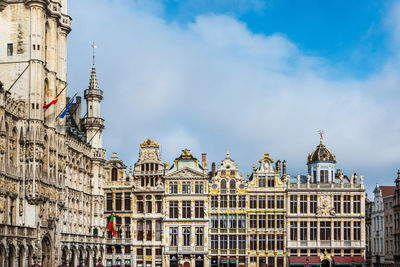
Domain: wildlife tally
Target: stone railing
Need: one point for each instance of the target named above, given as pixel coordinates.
(16, 231)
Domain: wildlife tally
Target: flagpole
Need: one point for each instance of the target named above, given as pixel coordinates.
(66, 84)
(72, 99)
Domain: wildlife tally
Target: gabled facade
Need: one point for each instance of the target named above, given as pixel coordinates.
(228, 215)
(378, 230)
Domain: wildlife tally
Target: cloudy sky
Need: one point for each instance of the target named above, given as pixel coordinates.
(246, 76)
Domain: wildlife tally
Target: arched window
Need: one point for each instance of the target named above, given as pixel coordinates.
(232, 186)
(223, 186)
(114, 174)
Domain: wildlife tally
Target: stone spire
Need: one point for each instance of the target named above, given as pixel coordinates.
(93, 85)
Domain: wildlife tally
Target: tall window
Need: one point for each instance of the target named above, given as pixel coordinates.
(253, 242)
(253, 221)
(158, 204)
(271, 202)
(262, 242)
(158, 230)
(241, 221)
(199, 236)
(173, 236)
(186, 209)
(279, 221)
(223, 186)
(139, 204)
(346, 230)
(199, 209)
(149, 230)
(313, 230)
(109, 201)
(293, 230)
(232, 201)
(149, 204)
(10, 50)
(346, 204)
(232, 187)
(186, 187)
(303, 204)
(214, 220)
(303, 230)
(337, 204)
(140, 230)
(173, 209)
(232, 241)
(242, 241)
(127, 201)
(313, 204)
(118, 201)
(337, 231)
(127, 227)
(223, 221)
(232, 221)
(271, 221)
(261, 181)
(199, 187)
(357, 204)
(173, 187)
(271, 181)
(325, 230)
(253, 202)
(323, 176)
(223, 242)
(114, 174)
(357, 231)
(271, 242)
(261, 202)
(214, 242)
(223, 201)
(279, 202)
(242, 201)
(214, 201)
(186, 236)
(279, 242)
(261, 221)
(293, 204)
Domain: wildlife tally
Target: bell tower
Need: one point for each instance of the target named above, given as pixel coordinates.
(93, 123)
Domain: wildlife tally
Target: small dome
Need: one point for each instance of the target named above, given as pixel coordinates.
(321, 154)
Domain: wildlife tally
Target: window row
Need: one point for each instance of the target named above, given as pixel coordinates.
(270, 202)
(303, 204)
(225, 221)
(186, 187)
(228, 242)
(186, 209)
(266, 221)
(225, 201)
(266, 242)
(186, 236)
(124, 200)
(325, 230)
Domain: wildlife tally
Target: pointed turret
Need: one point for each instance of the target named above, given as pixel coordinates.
(93, 123)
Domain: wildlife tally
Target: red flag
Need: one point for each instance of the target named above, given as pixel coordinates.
(51, 103)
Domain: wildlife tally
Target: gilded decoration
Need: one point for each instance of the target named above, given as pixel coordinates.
(149, 142)
(186, 154)
(325, 207)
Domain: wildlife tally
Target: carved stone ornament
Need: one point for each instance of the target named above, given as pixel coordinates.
(2, 145)
(325, 207)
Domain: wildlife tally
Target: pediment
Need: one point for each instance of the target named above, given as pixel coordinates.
(185, 173)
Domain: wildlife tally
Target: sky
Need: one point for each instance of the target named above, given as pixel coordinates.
(246, 76)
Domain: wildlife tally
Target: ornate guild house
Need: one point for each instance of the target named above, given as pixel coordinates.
(51, 168)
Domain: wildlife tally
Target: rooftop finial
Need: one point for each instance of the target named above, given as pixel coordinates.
(94, 47)
(321, 136)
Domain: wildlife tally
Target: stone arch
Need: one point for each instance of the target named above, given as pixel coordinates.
(88, 256)
(81, 256)
(47, 251)
(223, 184)
(64, 255)
(30, 255)
(21, 256)
(10, 256)
(2, 255)
(73, 259)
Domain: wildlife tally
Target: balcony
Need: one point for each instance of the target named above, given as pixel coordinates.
(17, 231)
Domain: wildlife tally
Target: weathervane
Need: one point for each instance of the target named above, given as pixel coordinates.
(321, 135)
(94, 46)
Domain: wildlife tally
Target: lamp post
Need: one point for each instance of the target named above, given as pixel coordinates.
(307, 260)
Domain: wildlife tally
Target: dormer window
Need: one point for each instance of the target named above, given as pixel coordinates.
(114, 174)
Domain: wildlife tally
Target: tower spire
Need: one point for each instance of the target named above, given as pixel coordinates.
(93, 77)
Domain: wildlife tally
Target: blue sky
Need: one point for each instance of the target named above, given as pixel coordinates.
(246, 76)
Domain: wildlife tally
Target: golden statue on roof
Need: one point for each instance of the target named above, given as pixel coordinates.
(149, 142)
(186, 154)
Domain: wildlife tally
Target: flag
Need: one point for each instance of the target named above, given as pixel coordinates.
(62, 115)
(51, 103)
(111, 225)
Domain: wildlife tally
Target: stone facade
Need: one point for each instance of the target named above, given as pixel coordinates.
(396, 218)
(377, 225)
(51, 169)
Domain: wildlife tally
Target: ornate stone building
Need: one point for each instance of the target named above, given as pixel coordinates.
(51, 169)
(325, 214)
(267, 214)
(396, 219)
(228, 215)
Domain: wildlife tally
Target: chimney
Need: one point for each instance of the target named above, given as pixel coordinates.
(213, 169)
(204, 160)
(284, 168)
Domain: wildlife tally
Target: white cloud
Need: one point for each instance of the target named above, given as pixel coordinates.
(213, 85)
